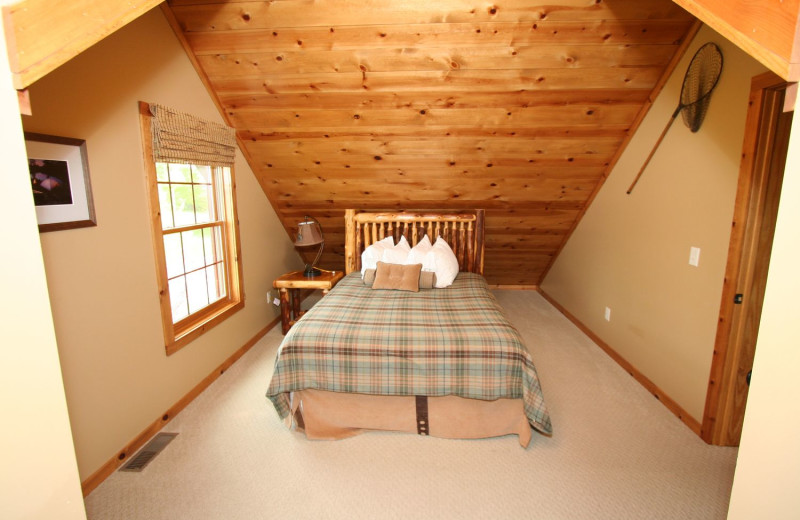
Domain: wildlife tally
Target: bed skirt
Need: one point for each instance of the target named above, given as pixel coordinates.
(325, 415)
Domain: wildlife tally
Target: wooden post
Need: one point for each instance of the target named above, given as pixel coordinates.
(480, 216)
(350, 241)
(285, 316)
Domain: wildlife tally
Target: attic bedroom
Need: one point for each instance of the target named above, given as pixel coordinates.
(541, 115)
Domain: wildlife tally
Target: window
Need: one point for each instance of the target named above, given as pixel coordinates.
(189, 165)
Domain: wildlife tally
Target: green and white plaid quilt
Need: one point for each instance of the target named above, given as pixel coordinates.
(452, 341)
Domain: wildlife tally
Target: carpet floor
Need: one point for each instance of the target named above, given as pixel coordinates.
(616, 453)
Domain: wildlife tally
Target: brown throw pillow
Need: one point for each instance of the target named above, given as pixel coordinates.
(427, 279)
(397, 276)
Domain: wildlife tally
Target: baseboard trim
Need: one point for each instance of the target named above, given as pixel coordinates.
(109, 467)
(651, 387)
(514, 287)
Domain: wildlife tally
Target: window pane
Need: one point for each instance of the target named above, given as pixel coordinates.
(215, 277)
(162, 172)
(201, 174)
(165, 201)
(174, 255)
(212, 240)
(180, 173)
(198, 290)
(193, 255)
(183, 204)
(204, 203)
(177, 295)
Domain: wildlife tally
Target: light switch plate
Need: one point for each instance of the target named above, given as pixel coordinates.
(694, 256)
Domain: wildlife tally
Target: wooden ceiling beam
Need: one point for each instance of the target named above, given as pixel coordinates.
(42, 34)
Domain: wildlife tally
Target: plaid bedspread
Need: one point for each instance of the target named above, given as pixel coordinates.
(452, 341)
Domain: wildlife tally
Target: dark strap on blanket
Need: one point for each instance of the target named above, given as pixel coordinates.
(423, 426)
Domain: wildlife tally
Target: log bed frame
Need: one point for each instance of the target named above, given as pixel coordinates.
(463, 231)
(335, 415)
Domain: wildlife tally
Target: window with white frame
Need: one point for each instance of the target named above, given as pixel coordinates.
(189, 165)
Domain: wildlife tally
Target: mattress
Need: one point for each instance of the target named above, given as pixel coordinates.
(454, 341)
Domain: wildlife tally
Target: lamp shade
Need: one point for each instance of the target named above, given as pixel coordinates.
(309, 233)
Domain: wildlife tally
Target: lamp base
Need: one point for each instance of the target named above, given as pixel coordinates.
(311, 271)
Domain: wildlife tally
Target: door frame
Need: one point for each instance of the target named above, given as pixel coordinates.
(720, 417)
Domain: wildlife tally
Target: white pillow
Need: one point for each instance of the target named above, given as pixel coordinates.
(374, 253)
(397, 254)
(419, 254)
(444, 261)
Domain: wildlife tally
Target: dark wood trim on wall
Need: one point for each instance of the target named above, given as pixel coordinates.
(737, 325)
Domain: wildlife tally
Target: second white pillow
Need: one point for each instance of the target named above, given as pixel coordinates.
(397, 254)
(444, 261)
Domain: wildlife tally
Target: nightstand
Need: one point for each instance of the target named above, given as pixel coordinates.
(290, 285)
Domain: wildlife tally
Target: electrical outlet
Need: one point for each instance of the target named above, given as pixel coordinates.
(276, 302)
(608, 314)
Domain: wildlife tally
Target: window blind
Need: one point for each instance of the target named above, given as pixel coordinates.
(183, 138)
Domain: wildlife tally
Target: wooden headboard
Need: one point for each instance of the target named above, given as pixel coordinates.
(463, 232)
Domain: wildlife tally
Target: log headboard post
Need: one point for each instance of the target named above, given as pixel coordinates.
(464, 233)
(479, 237)
(351, 257)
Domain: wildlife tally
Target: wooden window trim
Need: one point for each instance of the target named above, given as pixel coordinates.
(179, 334)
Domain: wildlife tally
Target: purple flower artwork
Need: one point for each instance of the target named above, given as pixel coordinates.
(50, 182)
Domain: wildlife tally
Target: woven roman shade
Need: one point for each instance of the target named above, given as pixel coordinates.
(183, 138)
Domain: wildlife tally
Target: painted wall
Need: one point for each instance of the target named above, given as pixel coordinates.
(39, 474)
(768, 468)
(631, 252)
(102, 280)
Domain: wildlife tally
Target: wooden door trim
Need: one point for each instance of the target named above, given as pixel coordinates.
(752, 179)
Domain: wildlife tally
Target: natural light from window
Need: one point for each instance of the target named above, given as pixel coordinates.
(193, 236)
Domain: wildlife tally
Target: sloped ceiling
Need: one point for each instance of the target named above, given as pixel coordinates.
(518, 107)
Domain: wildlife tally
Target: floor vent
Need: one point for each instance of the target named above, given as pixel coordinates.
(149, 452)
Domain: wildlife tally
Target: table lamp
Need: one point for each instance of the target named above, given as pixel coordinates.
(309, 233)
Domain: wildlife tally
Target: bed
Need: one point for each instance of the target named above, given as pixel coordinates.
(443, 362)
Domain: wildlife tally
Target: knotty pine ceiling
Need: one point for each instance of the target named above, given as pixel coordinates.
(518, 107)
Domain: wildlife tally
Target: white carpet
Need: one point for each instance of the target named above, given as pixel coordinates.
(616, 453)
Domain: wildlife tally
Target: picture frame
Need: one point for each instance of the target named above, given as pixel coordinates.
(62, 191)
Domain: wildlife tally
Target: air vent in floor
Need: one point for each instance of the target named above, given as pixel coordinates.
(149, 452)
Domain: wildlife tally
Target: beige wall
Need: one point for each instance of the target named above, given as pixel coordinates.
(102, 280)
(767, 476)
(630, 252)
(39, 474)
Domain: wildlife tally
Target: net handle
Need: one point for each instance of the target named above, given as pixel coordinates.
(653, 151)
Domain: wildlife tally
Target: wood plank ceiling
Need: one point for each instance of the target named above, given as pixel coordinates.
(518, 106)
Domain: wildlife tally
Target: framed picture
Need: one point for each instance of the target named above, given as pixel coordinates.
(59, 172)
